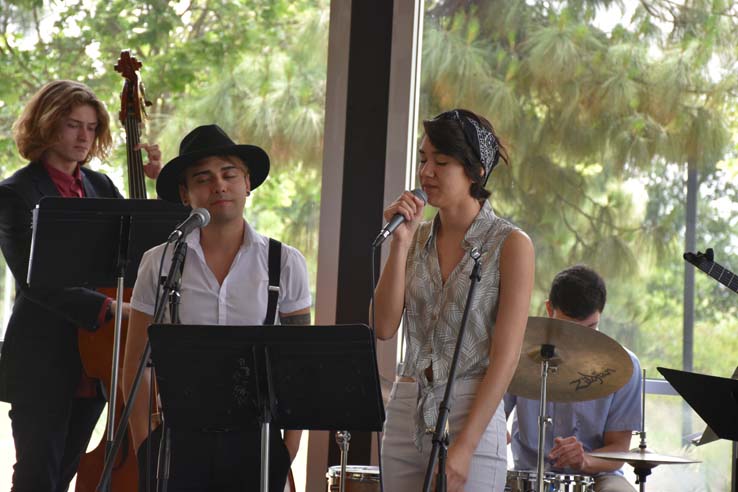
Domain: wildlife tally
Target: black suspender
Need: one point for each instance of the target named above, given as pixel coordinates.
(275, 270)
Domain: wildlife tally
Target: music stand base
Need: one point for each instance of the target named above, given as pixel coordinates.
(162, 473)
(265, 456)
(734, 481)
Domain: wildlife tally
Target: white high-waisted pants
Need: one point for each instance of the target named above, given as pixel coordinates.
(404, 466)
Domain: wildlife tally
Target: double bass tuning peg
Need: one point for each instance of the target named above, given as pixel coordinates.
(141, 90)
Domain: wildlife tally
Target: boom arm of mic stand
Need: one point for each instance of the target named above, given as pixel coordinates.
(170, 284)
(440, 436)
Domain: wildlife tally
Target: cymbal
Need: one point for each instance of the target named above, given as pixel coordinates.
(586, 363)
(639, 458)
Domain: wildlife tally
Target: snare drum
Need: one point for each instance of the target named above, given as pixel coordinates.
(358, 478)
(525, 481)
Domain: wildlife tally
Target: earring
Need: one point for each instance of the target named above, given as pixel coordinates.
(248, 193)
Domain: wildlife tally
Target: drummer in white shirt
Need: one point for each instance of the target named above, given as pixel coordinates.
(578, 294)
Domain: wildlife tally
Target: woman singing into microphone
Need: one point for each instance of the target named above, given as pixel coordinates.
(425, 283)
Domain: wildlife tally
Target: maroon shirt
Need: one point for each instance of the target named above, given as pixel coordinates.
(69, 186)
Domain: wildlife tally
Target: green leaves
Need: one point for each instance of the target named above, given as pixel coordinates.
(555, 85)
(255, 67)
(600, 126)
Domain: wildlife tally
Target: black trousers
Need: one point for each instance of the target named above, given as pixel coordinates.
(216, 461)
(50, 441)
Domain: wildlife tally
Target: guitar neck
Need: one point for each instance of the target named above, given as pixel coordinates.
(719, 273)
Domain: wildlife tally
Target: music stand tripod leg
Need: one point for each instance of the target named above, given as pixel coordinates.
(162, 473)
(265, 454)
(734, 484)
(266, 399)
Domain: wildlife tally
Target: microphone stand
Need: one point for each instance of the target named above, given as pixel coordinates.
(171, 289)
(440, 436)
(345, 436)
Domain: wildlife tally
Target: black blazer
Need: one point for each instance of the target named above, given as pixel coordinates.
(40, 360)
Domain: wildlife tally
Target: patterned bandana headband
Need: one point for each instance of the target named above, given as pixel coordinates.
(479, 138)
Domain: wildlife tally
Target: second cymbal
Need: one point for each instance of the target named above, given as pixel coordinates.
(586, 363)
(644, 459)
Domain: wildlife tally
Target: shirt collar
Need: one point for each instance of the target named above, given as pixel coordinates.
(250, 236)
(475, 235)
(59, 176)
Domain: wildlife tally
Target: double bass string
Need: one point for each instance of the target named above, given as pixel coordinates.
(135, 161)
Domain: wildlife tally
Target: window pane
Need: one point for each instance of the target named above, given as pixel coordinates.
(605, 108)
(664, 436)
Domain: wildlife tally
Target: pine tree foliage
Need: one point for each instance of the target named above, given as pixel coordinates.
(600, 122)
(584, 110)
(257, 68)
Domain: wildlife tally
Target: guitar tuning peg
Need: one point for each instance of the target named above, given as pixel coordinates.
(710, 254)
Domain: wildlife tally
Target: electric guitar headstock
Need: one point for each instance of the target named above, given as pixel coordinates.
(706, 262)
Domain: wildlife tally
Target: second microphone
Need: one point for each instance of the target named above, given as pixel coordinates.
(396, 220)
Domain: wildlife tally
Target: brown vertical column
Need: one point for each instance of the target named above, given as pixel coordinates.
(353, 187)
(363, 175)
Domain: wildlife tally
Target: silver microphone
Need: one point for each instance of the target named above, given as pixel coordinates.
(396, 220)
(199, 217)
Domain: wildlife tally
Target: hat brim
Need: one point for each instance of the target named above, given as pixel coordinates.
(255, 158)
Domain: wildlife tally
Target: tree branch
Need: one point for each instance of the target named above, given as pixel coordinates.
(197, 26)
(37, 25)
(574, 231)
(26, 69)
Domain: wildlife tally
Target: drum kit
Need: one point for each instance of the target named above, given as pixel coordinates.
(560, 361)
(359, 478)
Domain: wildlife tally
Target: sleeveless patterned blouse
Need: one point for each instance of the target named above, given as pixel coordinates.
(433, 310)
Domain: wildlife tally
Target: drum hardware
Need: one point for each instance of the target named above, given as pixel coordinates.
(573, 363)
(525, 481)
(358, 478)
(547, 354)
(642, 459)
(342, 439)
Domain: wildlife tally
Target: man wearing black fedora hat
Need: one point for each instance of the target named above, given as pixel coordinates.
(228, 278)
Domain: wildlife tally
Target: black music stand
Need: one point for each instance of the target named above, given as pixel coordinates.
(295, 377)
(97, 242)
(708, 435)
(715, 400)
(80, 242)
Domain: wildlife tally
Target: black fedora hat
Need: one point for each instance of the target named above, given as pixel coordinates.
(205, 141)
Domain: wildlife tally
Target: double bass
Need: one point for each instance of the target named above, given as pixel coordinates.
(96, 348)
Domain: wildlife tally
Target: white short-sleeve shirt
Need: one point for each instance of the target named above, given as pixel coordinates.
(241, 299)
